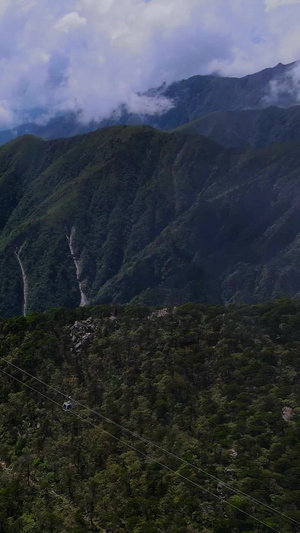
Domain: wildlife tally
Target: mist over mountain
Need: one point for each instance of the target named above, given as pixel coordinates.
(190, 100)
(131, 214)
(149, 266)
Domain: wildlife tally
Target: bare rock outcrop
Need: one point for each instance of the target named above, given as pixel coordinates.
(82, 333)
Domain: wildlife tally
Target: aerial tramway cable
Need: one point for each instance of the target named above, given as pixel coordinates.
(124, 443)
(157, 446)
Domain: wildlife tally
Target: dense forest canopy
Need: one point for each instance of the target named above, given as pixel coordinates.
(216, 387)
(133, 215)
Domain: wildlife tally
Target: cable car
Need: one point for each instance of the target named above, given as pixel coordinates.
(67, 406)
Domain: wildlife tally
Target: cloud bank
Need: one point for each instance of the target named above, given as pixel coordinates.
(281, 91)
(92, 55)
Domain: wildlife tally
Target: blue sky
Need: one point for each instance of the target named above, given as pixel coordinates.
(92, 55)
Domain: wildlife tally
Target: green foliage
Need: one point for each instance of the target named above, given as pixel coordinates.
(158, 219)
(206, 383)
(255, 127)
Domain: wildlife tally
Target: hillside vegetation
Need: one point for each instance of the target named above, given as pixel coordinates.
(256, 127)
(131, 214)
(218, 387)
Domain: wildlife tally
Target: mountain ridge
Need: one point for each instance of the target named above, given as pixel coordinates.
(259, 128)
(192, 98)
(156, 218)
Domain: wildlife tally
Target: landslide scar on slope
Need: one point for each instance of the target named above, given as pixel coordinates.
(18, 252)
(70, 238)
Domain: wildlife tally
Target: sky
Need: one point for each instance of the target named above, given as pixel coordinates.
(59, 56)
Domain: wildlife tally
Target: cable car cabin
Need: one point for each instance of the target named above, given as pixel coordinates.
(67, 406)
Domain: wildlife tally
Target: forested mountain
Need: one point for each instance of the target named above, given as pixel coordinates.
(131, 214)
(191, 99)
(216, 387)
(257, 127)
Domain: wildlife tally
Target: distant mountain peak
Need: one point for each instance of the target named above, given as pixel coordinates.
(182, 102)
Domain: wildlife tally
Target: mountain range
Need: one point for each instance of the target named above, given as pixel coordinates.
(184, 416)
(131, 214)
(220, 100)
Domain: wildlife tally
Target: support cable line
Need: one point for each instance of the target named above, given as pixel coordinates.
(147, 456)
(158, 447)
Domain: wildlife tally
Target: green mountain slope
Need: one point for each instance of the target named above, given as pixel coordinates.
(130, 214)
(258, 127)
(216, 386)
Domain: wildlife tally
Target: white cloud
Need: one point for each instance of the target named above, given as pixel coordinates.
(92, 55)
(6, 114)
(285, 88)
(274, 4)
(148, 105)
(69, 22)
